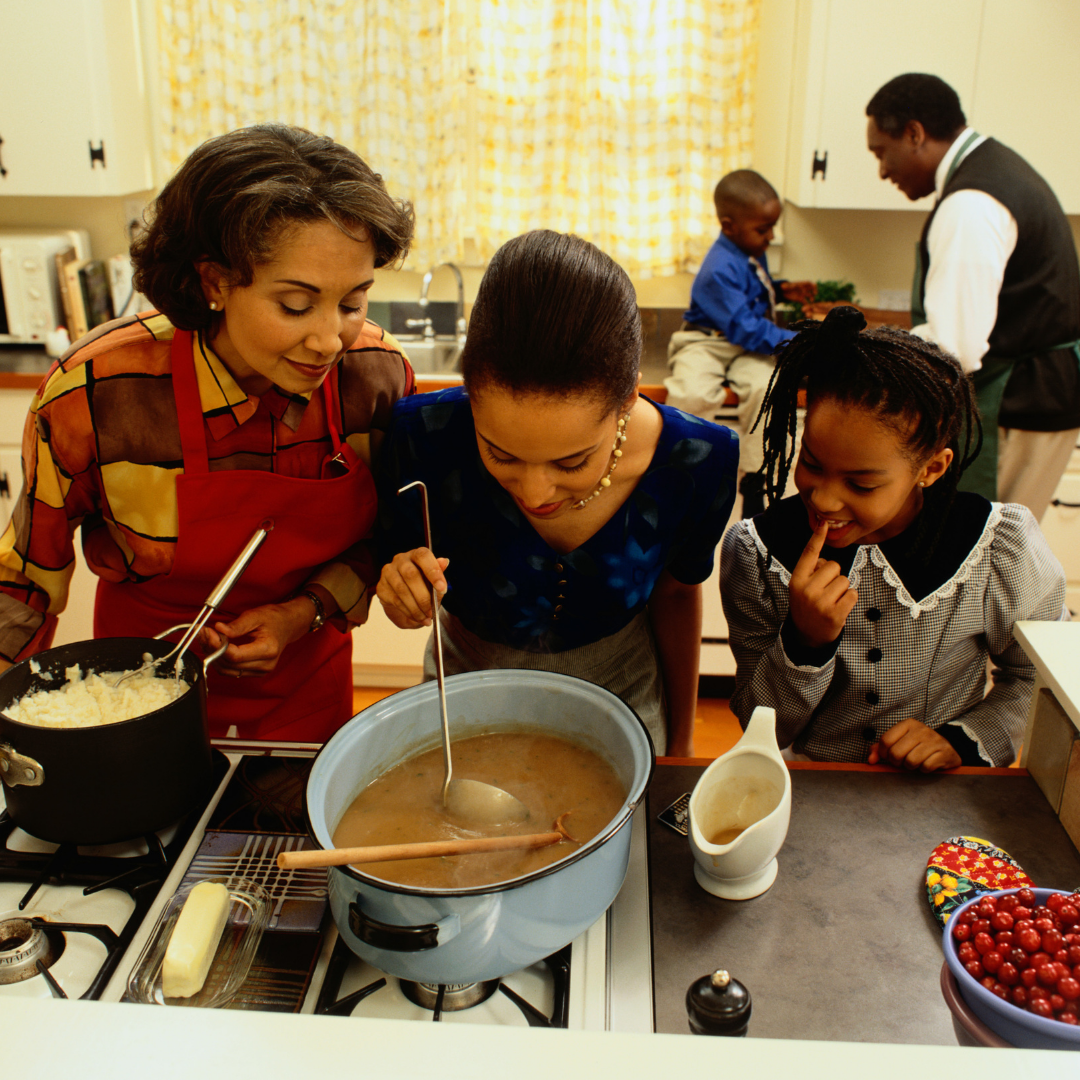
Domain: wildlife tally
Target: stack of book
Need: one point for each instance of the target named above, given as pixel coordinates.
(84, 293)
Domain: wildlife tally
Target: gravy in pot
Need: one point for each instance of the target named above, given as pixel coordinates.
(550, 775)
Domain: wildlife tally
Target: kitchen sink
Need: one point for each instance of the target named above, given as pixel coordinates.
(431, 356)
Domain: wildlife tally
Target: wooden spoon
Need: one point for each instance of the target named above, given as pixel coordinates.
(290, 860)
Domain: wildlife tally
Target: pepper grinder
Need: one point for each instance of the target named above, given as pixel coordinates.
(717, 1004)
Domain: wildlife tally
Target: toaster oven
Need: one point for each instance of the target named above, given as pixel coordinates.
(30, 300)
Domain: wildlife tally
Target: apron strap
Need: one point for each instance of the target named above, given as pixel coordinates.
(343, 452)
(190, 415)
(188, 403)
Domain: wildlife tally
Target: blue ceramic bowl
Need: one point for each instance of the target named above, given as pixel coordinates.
(1016, 1025)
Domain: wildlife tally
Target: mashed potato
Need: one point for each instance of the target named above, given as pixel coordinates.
(93, 699)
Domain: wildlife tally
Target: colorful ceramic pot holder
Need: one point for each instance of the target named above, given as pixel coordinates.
(965, 866)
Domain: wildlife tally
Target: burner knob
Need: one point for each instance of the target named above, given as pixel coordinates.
(717, 1004)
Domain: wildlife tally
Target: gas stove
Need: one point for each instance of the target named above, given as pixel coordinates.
(77, 922)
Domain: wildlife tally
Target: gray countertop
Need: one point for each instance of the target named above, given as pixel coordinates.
(28, 360)
(24, 360)
(844, 945)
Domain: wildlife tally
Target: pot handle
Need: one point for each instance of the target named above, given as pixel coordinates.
(207, 661)
(17, 769)
(393, 938)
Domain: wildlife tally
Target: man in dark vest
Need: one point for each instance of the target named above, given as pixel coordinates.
(997, 283)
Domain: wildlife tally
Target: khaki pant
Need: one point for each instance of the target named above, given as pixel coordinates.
(1030, 464)
(702, 367)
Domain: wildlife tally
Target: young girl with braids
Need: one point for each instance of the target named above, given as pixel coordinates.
(863, 609)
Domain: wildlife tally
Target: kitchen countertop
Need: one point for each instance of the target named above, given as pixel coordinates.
(93, 1040)
(102, 1039)
(844, 945)
(1053, 648)
(22, 366)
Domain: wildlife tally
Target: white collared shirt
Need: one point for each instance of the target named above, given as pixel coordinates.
(970, 241)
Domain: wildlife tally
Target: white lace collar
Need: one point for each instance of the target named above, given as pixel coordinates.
(892, 579)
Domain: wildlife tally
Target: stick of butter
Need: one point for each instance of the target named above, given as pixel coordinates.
(195, 939)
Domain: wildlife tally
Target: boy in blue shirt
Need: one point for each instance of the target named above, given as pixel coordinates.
(729, 331)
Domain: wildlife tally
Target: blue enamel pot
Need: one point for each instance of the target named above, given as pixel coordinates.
(468, 935)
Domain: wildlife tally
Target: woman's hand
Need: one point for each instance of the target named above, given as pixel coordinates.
(257, 637)
(819, 594)
(912, 745)
(404, 589)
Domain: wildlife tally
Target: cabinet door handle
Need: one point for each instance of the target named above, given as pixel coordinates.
(1053, 502)
(5, 487)
(3, 171)
(98, 154)
(819, 165)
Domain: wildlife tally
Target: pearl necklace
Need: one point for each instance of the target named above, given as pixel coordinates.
(616, 453)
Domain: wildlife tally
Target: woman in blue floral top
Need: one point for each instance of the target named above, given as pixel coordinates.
(574, 519)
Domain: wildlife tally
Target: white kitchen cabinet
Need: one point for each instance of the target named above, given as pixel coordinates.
(384, 655)
(1027, 87)
(74, 117)
(821, 61)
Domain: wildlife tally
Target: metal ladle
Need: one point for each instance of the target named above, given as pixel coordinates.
(467, 800)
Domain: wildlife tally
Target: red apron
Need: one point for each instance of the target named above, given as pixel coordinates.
(308, 696)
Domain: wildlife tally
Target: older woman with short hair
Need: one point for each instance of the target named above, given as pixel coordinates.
(255, 390)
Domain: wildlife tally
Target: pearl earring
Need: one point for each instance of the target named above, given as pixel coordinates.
(213, 306)
(922, 483)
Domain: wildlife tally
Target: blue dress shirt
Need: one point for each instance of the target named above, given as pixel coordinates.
(507, 585)
(728, 296)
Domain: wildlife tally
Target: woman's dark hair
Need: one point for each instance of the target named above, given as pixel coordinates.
(926, 98)
(232, 199)
(908, 383)
(554, 315)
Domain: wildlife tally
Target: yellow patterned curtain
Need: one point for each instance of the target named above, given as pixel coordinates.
(609, 118)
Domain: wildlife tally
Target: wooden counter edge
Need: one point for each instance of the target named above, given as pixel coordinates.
(856, 766)
(20, 380)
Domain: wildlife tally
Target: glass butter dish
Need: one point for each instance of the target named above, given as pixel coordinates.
(249, 912)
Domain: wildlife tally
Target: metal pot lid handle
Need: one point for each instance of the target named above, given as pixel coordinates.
(19, 770)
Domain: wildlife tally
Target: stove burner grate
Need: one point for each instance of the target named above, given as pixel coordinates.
(140, 877)
(454, 997)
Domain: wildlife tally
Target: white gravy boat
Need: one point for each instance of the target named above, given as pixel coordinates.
(739, 814)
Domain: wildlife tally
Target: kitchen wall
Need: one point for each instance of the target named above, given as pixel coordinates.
(874, 249)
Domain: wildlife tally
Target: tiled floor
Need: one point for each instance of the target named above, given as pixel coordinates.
(715, 731)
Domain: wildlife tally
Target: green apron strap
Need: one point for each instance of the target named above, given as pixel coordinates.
(989, 380)
(918, 294)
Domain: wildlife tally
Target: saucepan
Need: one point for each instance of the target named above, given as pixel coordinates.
(98, 785)
(483, 932)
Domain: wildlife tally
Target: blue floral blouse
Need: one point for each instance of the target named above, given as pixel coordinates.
(506, 584)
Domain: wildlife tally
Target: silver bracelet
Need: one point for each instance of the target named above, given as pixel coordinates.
(320, 611)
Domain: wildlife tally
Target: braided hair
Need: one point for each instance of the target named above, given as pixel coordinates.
(910, 384)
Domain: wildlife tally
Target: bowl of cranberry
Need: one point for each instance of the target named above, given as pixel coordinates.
(1015, 956)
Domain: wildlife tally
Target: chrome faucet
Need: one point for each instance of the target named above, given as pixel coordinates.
(428, 331)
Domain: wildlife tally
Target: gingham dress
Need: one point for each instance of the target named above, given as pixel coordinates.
(915, 644)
